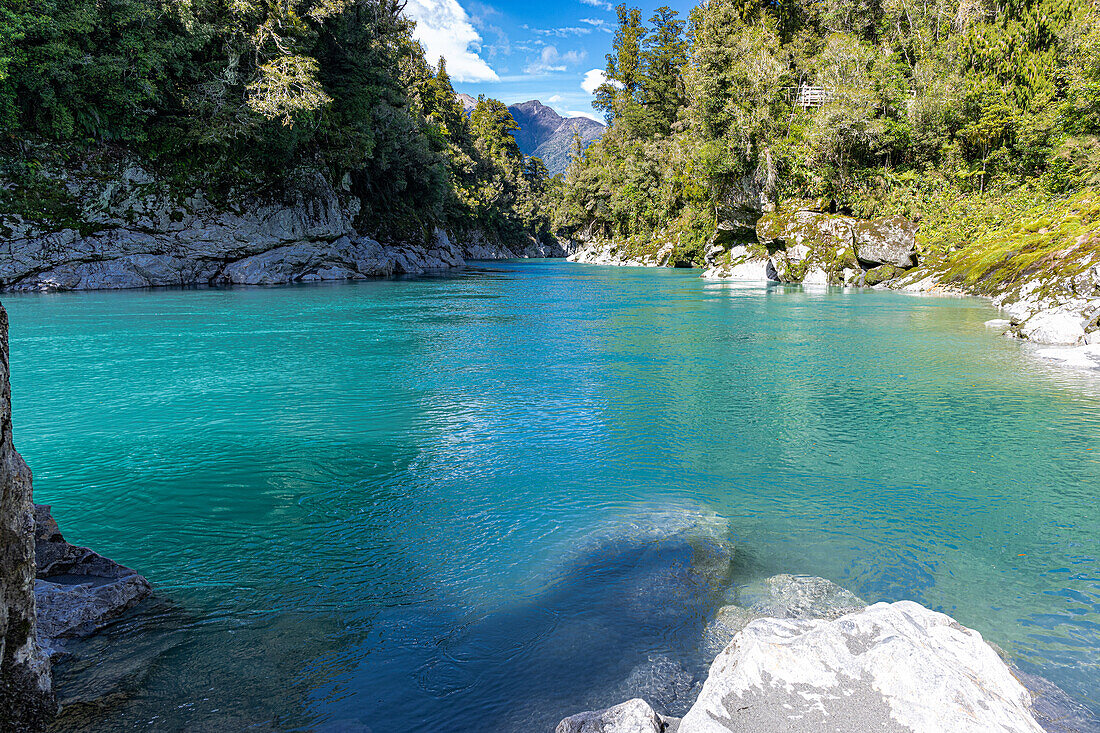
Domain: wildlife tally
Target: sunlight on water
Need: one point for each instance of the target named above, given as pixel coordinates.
(485, 501)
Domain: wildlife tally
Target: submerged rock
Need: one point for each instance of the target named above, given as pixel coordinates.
(780, 596)
(77, 590)
(807, 655)
(799, 597)
(745, 269)
(892, 667)
(26, 688)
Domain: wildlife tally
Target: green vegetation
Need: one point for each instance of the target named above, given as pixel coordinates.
(974, 118)
(230, 95)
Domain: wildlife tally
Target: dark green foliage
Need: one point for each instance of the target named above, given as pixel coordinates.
(221, 94)
(912, 99)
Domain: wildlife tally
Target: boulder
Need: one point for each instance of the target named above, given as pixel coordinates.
(815, 276)
(892, 667)
(881, 274)
(891, 241)
(752, 269)
(26, 686)
(77, 591)
(1052, 326)
(632, 716)
(817, 232)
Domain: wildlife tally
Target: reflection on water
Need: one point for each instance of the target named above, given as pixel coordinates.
(484, 501)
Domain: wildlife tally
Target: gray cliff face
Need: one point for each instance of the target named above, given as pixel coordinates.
(136, 232)
(26, 695)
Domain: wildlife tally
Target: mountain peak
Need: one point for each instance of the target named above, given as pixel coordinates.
(543, 132)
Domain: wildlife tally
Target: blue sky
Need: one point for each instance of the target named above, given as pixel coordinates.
(515, 50)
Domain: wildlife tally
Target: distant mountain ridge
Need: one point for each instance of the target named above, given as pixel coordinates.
(544, 133)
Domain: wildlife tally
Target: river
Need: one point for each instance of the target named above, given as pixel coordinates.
(483, 501)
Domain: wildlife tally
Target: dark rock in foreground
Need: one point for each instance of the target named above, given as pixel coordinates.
(77, 590)
(26, 689)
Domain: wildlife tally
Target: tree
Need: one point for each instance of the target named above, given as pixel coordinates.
(619, 92)
(664, 57)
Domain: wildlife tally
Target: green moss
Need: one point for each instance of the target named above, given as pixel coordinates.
(882, 273)
(1050, 242)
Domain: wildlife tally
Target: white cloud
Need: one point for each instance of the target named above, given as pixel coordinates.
(563, 32)
(551, 60)
(599, 24)
(444, 29)
(599, 4)
(589, 115)
(592, 79)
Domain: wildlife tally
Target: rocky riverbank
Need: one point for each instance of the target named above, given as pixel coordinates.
(801, 653)
(133, 230)
(1052, 300)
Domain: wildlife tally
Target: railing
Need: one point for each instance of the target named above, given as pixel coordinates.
(807, 96)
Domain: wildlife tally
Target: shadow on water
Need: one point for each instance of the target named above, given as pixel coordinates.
(623, 618)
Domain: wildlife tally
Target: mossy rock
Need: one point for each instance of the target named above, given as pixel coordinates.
(881, 274)
(889, 241)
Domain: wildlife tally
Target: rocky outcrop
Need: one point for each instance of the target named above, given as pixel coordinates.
(817, 248)
(892, 667)
(477, 246)
(26, 694)
(802, 653)
(1037, 312)
(77, 590)
(745, 265)
(891, 241)
(135, 231)
(602, 252)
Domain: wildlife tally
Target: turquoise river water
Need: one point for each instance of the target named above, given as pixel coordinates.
(481, 502)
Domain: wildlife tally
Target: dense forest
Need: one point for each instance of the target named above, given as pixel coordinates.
(242, 94)
(977, 119)
(958, 114)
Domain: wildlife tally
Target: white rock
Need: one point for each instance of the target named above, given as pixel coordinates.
(816, 276)
(1080, 357)
(892, 667)
(798, 252)
(758, 269)
(632, 716)
(1057, 326)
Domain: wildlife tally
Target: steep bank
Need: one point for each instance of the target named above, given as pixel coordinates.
(26, 688)
(50, 591)
(131, 229)
(1037, 256)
